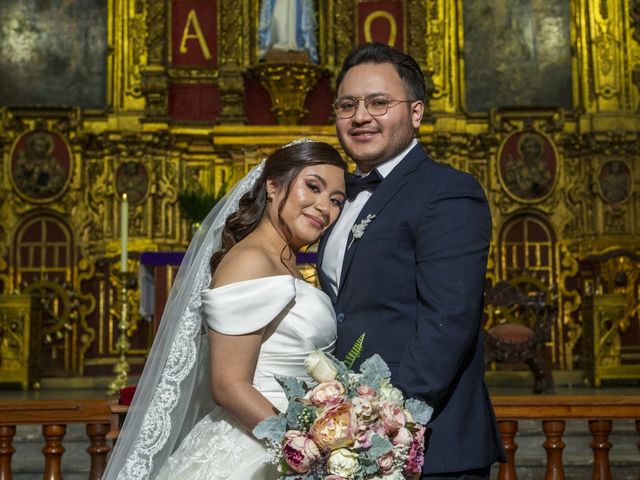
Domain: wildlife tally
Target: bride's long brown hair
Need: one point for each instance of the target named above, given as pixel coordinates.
(282, 166)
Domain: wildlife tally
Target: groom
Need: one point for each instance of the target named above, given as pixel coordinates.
(405, 263)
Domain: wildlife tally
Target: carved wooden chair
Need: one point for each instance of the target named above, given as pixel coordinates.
(520, 314)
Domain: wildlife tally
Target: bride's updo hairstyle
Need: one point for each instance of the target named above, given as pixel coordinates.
(282, 166)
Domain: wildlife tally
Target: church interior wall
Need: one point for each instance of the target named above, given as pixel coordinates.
(158, 98)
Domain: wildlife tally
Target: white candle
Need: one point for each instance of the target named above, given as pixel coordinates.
(124, 232)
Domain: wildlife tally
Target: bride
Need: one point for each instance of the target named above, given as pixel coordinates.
(209, 378)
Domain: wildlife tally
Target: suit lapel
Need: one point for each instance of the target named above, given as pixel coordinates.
(387, 189)
(322, 245)
(322, 278)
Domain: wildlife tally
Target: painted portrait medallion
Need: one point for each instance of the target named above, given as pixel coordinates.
(132, 179)
(614, 181)
(528, 166)
(41, 164)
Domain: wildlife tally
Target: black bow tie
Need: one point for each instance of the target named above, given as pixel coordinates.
(356, 184)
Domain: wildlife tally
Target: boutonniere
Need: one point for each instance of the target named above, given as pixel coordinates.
(357, 231)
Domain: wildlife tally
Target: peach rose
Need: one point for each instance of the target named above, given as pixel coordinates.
(336, 427)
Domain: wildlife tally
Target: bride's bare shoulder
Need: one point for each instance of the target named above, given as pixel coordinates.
(244, 262)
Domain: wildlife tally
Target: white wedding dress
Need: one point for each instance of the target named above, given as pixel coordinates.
(299, 319)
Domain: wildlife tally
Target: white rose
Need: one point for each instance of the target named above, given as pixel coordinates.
(389, 393)
(320, 367)
(343, 462)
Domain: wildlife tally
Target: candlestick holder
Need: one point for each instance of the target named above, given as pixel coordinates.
(122, 368)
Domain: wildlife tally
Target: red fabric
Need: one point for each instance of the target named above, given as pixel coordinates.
(126, 395)
(511, 332)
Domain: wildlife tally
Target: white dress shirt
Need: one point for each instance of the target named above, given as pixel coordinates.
(337, 242)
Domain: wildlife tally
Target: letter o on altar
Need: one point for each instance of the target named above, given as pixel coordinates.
(393, 26)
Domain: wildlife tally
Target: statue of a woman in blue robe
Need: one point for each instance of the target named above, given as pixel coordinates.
(288, 25)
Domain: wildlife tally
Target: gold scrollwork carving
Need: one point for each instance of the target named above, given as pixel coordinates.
(570, 299)
(137, 50)
(416, 32)
(234, 22)
(153, 76)
(234, 31)
(438, 66)
(344, 28)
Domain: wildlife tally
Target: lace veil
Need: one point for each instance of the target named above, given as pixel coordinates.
(173, 393)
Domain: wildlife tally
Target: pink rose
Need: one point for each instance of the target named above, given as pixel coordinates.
(378, 427)
(385, 463)
(366, 391)
(363, 438)
(327, 394)
(403, 437)
(335, 428)
(415, 459)
(392, 417)
(299, 451)
(334, 477)
(418, 434)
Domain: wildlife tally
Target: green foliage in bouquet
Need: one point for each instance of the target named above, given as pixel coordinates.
(355, 352)
(195, 204)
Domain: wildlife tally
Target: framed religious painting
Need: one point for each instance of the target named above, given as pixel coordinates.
(528, 166)
(132, 178)
(615, 181)
(41, 165)
(517, 53)
(53, 53)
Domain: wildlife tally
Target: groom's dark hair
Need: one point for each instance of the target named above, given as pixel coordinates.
(378, 53)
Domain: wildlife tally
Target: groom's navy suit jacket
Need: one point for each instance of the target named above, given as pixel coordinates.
(414, 284)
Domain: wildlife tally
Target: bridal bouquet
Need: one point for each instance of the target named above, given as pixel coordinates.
(347, 426)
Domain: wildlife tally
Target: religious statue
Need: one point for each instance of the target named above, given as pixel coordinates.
(288, 26)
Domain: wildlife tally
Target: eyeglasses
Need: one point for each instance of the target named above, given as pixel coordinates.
(376, 105)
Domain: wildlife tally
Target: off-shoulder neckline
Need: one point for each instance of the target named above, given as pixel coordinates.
(269, 277)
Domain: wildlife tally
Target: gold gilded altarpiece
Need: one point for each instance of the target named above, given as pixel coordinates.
(575, 231)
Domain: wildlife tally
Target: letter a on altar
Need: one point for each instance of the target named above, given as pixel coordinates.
(192, 30)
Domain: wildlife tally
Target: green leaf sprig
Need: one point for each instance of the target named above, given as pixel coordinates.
(355, 352)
